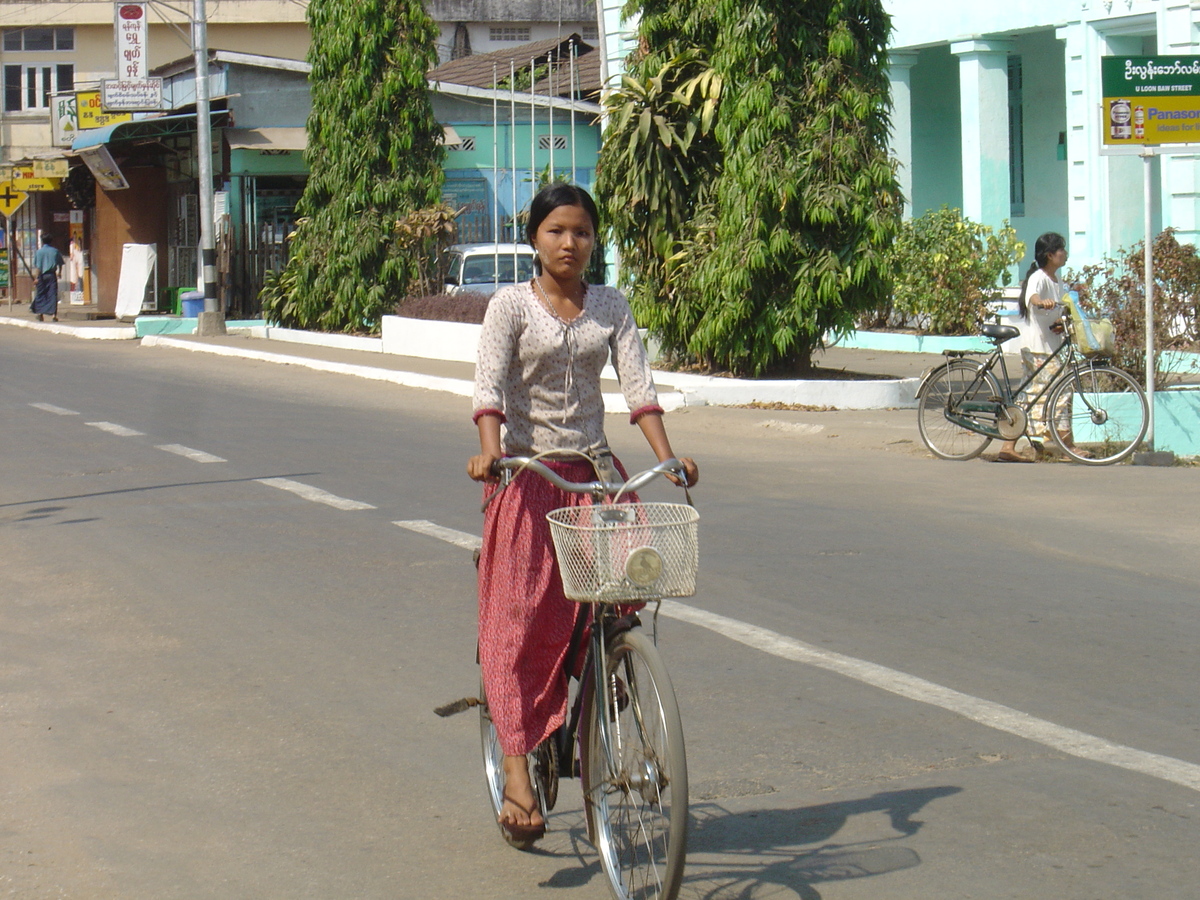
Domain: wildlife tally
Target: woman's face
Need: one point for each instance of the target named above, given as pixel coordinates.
(564, 242)
(1058, 258)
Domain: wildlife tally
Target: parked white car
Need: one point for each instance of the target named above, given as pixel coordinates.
(485, 268)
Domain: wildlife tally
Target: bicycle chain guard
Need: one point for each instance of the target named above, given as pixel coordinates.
(1012, 424)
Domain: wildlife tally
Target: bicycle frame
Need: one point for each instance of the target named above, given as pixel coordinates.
(962, 414)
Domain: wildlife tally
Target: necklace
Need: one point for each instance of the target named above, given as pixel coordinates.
(537, 283)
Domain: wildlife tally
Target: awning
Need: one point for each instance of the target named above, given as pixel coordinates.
(158, 126)
(267, 138)
(450, 137)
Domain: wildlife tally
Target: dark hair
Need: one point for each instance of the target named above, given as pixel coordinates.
(47, 238)
(550, 198)
(1046, 244)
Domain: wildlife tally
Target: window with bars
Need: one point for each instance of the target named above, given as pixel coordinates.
(513, 33)
(465, 142)
(1016, 137)
(33, 40)
(548, 142)
(590, 32)
(30, 87)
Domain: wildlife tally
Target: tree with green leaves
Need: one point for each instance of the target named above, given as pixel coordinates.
(774, 215)
(374, 156)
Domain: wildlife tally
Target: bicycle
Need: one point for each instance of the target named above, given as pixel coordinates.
(623, 736)
(962, 406)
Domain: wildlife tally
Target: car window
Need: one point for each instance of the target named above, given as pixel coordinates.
(454, 273)
(478, 270)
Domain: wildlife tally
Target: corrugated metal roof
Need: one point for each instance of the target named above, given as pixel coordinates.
(486, 70)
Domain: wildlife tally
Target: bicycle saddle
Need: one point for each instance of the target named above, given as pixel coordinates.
(999, 333)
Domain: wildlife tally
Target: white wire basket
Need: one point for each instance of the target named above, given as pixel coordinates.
(610, 552)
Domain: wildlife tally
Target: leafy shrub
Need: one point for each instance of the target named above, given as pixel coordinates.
(946, 270)
(1115, 288)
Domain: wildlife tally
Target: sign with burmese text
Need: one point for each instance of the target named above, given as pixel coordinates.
(133, 88)
(1150, 100)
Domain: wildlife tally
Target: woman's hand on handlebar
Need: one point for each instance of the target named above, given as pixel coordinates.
(482, 467)
(690, 469)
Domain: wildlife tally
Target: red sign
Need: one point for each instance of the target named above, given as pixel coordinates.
(131, 12)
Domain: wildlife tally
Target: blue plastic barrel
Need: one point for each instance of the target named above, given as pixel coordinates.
(192, 303)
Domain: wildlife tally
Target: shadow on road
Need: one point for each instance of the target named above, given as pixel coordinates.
(776, 853)
(786, 852)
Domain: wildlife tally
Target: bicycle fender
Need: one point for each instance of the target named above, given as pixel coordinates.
(936, 370)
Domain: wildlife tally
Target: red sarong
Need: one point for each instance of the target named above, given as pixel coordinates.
(525, 620)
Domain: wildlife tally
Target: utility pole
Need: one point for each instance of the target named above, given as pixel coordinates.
(212, 319)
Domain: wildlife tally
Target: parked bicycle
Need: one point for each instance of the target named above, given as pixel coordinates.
(622, 736)
(1097, 414)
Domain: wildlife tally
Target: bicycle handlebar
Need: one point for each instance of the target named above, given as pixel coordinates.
(510, 466)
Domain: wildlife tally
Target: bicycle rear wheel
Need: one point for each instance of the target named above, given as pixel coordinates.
(543, 770)
(945, 393)
(634, 772)
(1102, 410)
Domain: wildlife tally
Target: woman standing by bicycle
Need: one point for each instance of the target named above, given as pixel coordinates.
(1040, 304)
(537, 389)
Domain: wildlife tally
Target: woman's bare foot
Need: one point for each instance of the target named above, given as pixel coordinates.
(520, 814)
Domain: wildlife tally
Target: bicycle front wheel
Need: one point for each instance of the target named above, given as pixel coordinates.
(1098, 415)
(950, 391)
(634, 770)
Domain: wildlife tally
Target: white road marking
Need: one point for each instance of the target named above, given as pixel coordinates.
(994, 715)
(114, 428)
(195, 455)
(57, 410)
(449, 535)
(985, 712)
(308, 492)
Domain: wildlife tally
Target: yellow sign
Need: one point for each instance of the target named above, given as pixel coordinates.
(91, 112)
(23, 178)
(11, 200)
(49, 168)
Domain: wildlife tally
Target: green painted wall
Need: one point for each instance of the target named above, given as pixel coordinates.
(1045, 112)
(936, 132)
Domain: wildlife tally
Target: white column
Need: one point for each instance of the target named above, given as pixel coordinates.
(983, 99)
(899, 74)
(1178, 31)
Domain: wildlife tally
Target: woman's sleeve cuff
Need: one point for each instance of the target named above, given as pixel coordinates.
(480, 413)
(644, 411)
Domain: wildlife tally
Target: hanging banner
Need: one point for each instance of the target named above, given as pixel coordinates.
(103, 168)
(1150, 100)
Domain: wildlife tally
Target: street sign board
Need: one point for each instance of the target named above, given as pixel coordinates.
(91, 111)
(64, 120)
(25, 178)
(1150, 100)
(130, 22)
(50, 168)
(10, 200)
(144, 94)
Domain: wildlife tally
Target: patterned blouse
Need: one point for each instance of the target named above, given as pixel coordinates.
(540, 375)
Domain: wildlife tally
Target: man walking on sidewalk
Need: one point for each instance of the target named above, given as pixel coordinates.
(46, 264)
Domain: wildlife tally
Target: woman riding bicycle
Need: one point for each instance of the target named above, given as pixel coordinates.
(537, 389)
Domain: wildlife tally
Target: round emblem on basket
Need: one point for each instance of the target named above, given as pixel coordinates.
(644, 566)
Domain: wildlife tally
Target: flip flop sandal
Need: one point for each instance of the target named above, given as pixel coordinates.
(1006, 457)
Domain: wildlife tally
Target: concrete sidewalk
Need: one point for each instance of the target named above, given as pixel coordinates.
(876, 379)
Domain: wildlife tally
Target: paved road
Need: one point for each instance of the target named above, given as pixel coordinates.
(928, 679)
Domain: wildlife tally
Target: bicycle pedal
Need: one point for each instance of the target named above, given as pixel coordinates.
(458, 706)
